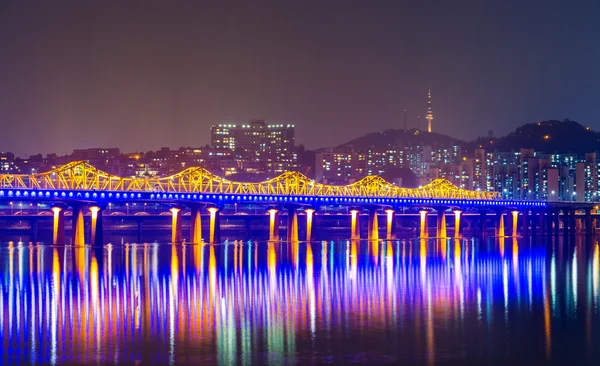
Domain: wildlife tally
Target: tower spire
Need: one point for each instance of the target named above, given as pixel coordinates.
(429, 113)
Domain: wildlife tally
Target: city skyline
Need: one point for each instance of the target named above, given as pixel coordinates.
(71, 78)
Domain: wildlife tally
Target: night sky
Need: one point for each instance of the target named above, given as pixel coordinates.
(142, 75)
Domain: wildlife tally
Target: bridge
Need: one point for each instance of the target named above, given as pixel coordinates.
(87, 189)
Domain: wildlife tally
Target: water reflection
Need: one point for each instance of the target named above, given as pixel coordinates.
(422, 301)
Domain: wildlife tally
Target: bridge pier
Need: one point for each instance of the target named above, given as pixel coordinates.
(373, 224)
(97, 226)
(58, 226)
(215, 225)
(423, 229)
(292, 224)
(499, 224)
(440, 231)
(139, 230)
(483, 224)
(355, 224)
(77, 226)
(309, 223)
(588, 222)
(176, 214)
(515, 223)
(273, 224)
(457, 222)
(390, 221)
(525, 223)
(195, 225)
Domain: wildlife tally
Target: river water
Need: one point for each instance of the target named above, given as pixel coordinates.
(413, 301)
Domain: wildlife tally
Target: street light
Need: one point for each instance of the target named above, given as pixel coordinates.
(552, 196)
(12, 208)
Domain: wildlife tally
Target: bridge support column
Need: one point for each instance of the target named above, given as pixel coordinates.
(440, 231)
(292, 224)
(423, 228)
(515, 223)
(195, 225)
(525, 223)
(176, 214)
(556, 222)
(58, 227)
(34, 230)
(457, 227)
(215, 225)
(77, 225)
(588, 222)
(309, 223)
(534, 220)
(594, 226)
(373, 224)
(139, 230)
(390, 221)
(499, 227)
(97, 226)
(548, 223)
(482, 224)
(273, 224)
(572, 223)
(565, 222)
(355, 224)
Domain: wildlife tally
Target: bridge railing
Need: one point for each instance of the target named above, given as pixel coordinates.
(82, 176)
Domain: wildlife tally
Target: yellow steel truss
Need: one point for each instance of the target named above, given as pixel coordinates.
(80, 175)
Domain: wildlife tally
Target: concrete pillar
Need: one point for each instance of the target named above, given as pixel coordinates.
(499, 224)
(248, 224)
(390, 221)
(195, 225)
(273, 224)
(556, 220)
(548, 223)
(578, 225)
(525, 223)
(594, 226)
(588, 222)
(373, 224)
(77, 225)
(309, 223)
(482, 224)
(423, 228)
(215, 225)
(97, 226)
(441, 224)
(176, 215)
(515, 223)
(34, 230)
(292, 224)
(139, 230)
(565, 222)
(572, 224)
(533, 219)
(457, 224)
(355, 224)
(58, 227)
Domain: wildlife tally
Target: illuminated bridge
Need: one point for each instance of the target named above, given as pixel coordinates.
(85, 188)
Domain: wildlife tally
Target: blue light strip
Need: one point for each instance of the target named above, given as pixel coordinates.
(115, 196)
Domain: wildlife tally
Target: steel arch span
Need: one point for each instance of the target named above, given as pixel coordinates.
(80, 175)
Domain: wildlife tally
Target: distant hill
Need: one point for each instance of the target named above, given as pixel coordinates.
(401, 138)
(548, 137)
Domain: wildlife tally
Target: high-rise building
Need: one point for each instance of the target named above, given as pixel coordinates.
(271, 145)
